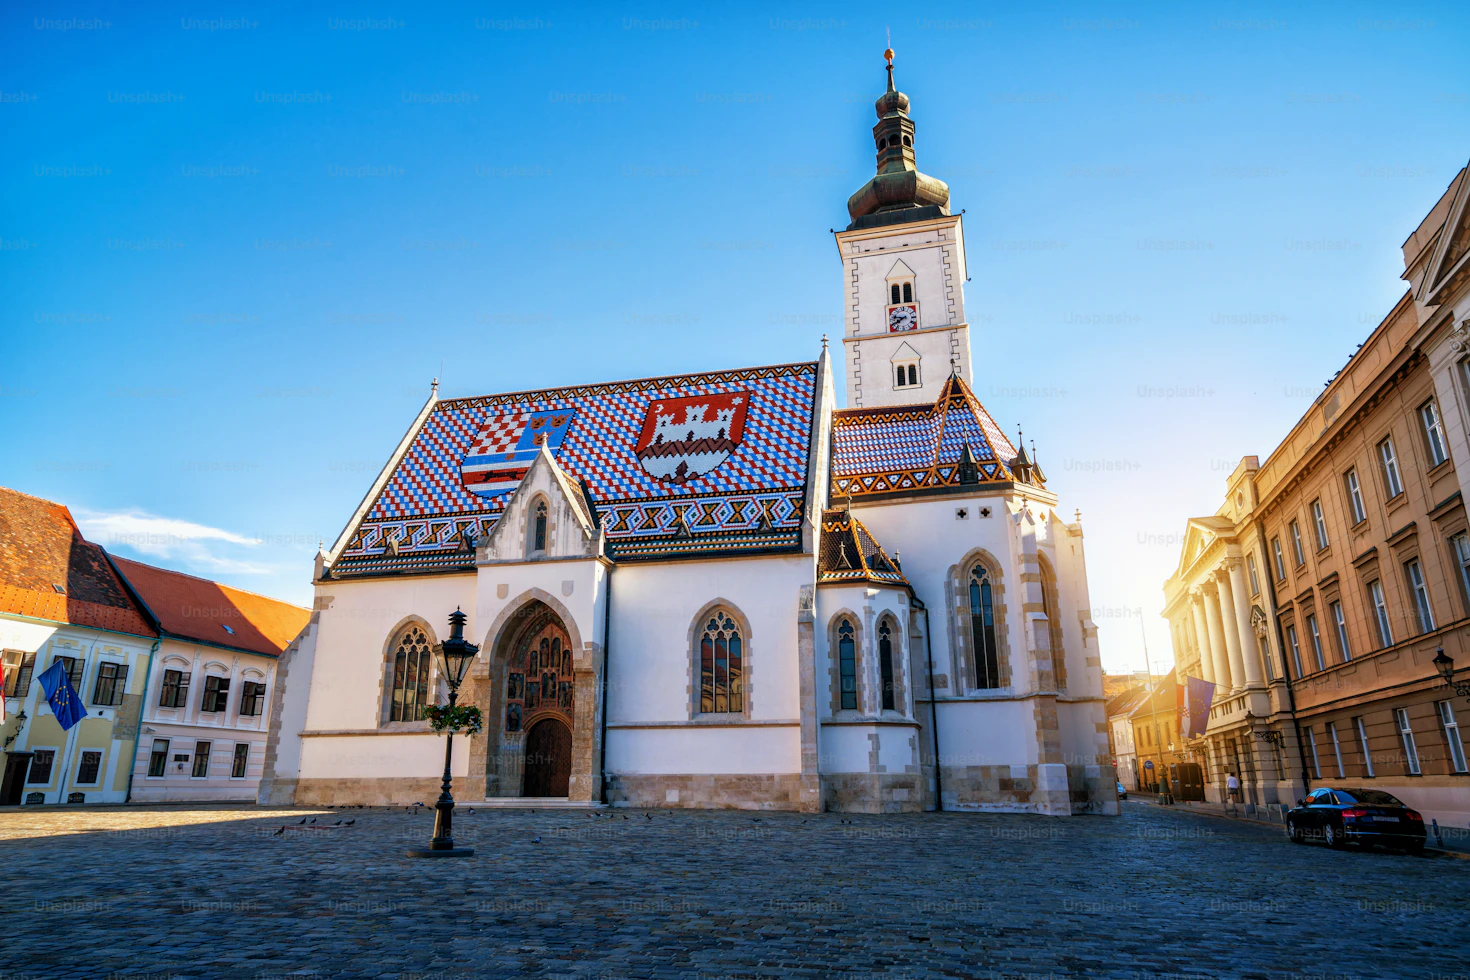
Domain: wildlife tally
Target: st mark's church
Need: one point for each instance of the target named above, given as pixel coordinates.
(720, 589)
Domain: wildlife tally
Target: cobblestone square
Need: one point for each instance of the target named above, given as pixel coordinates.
(204, 892)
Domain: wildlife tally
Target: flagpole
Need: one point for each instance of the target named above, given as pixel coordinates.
(1165, 796)
(71, 738)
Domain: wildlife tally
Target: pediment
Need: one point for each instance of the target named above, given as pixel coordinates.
(904, 353)
(1199, 535)
(571, 530)
(1449, 266)
(900, 270)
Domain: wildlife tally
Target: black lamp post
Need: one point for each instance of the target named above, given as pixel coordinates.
(457, 653)
(1446, 667)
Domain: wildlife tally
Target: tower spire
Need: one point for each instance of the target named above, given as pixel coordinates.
(898, 186)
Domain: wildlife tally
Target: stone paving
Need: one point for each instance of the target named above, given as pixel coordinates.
(205, 892)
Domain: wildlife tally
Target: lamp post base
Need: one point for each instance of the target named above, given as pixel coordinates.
(445, 852)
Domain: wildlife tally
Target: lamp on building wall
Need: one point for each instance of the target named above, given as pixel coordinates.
(1446, 667)
(21, 718)
(457, 654)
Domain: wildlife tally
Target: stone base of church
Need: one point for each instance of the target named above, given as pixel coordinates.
(1052, 789)
(385, 791)
(1093, 789)
(872, 792)
(711, 791)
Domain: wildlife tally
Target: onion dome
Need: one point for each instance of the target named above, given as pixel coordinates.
(899, 192)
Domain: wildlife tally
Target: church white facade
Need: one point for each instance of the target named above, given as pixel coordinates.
(722, 590)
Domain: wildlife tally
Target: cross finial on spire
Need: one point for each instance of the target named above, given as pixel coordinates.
(434, 386)
(824, 341)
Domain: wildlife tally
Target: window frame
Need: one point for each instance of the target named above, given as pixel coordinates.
(201, 757)
(1250, 568)
(240, 763)
(1388, 462)
(1449, 727)
(96, 769)
(1460, 551)
(1295, 647)
(218, 699)
(1312, 745)
(709, 626)
(1379, 602)
(417, 654)
(887, 667)
(984, 628)
(76, 669)
(1340, 619)
(24, 666)
(1331, 727)
(1294, 528)
(179, 688)
(1419, 591)
(847, 672)
(116, 684)
(1316, 636)
(1319, 524)
(1434, 439)
(1406, 739)
(50, 767)
(256, 698)
(159, 756)
(1356, 505)
(1362, 729)
(1279, 557)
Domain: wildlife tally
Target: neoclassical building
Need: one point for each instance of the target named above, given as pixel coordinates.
(722, 589)
(1318, 595)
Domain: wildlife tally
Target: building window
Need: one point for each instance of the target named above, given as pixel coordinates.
(1342, 637)
(175, 692)
(19, 666)
(885, 664)
(1362, 730)
(1355, 497)
(241, 761)
(411, 662)
(1421, 595)
(1451, 729)
(1250, 568)
(1406, 736)
(1336, 749)
(158, 757)
(216, 694)
(88, 768)
(908, 292)
(1265, 649)
(1433, 433)
(982, 628)
(73, 668)
(538, 542)
(201, 759)
(894, 294)
(41, 762)
(1392, 482)
(1460, 543)
(847, 664)
(1296, 652)
(1296, 544)
(721, 673)
(252, 699)
(906, 375)
(1380, 612)
(1316, 642)
(112, 681)
(1312, 745)
(1319, 524)
(1280, 561)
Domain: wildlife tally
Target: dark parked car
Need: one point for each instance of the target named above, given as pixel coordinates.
(1356, 816)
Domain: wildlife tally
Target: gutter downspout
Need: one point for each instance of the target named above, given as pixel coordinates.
(1301, 750)
(933, 707)
(138, 734)
(606, 645)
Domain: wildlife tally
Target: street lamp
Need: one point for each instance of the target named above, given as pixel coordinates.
(1446, 667)
(457, 653)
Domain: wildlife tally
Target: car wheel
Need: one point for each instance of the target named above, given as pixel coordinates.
(1294, 833)
(1333, 836)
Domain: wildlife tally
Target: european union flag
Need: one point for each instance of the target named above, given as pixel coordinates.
(63, 697)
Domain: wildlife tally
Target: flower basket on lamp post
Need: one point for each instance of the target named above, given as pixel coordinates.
(457, 654)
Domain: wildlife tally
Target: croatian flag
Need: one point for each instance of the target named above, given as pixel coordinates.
(506, 444)
(1194, 706)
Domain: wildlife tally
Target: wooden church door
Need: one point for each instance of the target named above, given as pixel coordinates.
(540, 697)
(548, 759)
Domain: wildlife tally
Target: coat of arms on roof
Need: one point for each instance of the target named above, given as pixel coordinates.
(505, 446)
(684, 438)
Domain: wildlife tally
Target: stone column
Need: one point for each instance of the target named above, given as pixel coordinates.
(1250, 650)
(1201, 639)
(1232, 638)
(1217, 638)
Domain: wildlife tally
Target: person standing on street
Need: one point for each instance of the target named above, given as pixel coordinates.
(1232, 791)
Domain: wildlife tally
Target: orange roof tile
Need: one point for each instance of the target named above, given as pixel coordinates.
(197, 609)
(49, 571)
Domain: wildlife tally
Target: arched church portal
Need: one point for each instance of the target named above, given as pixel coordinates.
(537, 709)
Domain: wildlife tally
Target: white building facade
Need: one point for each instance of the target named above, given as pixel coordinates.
(721, 590)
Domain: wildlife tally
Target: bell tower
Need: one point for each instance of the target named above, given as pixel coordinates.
(903, 268)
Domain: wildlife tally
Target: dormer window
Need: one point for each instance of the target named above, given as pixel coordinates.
(905, 365)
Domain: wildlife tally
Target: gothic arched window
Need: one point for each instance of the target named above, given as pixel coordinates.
(982, 627)
(885, 664)
(1053, 622)
(846, 666)
(908, 292)
(721, 665)
(538, 541)
(411, 661)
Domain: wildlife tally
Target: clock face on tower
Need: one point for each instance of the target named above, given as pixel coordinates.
(903, 317)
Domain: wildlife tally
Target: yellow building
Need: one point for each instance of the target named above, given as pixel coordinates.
(61, 600)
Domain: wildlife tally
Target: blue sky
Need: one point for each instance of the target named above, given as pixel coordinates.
(236, 243)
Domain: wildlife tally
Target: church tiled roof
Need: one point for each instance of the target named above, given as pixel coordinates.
(691, 464)
(850, 553)
(904, 448)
